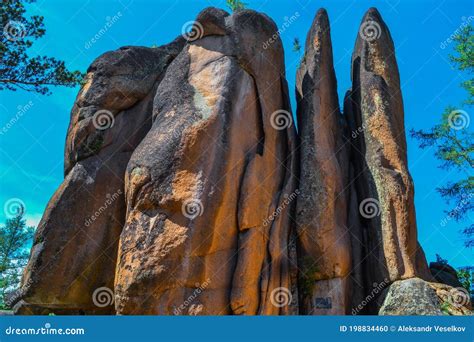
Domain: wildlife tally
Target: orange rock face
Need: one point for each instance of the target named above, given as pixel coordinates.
(385, 181)
(188, 192)
(203, 182)
(75, 246)
(325, 251)
(355, 216)
(382, 217)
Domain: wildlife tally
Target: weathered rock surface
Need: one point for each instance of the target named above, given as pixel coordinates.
(411, 297)
(454, 301)
(75, 245)
(324, 244)
(202, 184)
(187, 191)
(383, 184)
(417, 297)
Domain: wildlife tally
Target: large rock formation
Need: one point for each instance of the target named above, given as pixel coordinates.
(324, 244)
(186, 204)
(202, 184)
(355, 215)
(75, 246)
(386, 239)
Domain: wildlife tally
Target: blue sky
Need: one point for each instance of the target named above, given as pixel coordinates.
(31, 151)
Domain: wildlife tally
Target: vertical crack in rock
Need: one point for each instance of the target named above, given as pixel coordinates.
(324, 245)
(197, 239)
(75, 246)
(358, 232)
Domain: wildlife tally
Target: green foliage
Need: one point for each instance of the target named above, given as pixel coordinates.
(445, 308)
(453, 141)
(236, 5)
(464, 277)
(464, 59)
(296, 45)
(14, 239)
(453, 147)
(18, 70)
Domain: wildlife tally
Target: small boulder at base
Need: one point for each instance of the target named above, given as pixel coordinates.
(410, 297)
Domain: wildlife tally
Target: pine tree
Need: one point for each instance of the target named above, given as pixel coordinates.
(15, 238)
(453, 140)
(17, 69)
